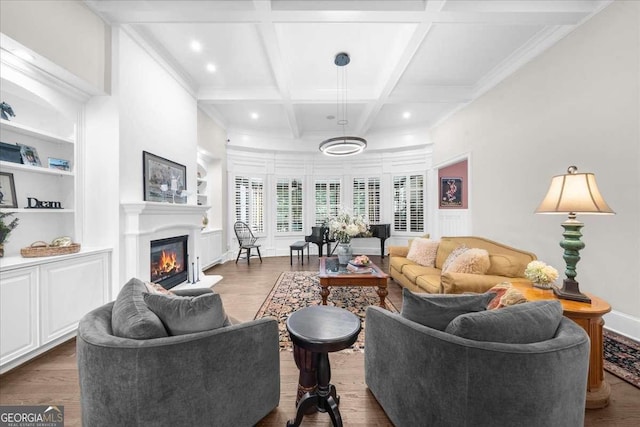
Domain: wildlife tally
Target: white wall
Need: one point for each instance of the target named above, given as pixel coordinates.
(576, 104)
(156, 114)
(212, 140)
(63, 31)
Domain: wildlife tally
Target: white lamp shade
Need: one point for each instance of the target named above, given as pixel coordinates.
(574, 193)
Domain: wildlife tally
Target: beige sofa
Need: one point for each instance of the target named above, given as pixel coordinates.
(507, 264)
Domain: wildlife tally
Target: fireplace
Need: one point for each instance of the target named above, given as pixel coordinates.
(169, 261)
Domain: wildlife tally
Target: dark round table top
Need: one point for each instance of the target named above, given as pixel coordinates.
(323, 329)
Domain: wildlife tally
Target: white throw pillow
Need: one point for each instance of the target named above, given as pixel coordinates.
(423, 251)
(452, 256)
(473, 261)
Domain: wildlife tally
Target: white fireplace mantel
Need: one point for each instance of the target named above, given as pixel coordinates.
(147, 221)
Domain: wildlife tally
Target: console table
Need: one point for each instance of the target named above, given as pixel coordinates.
(589, 316)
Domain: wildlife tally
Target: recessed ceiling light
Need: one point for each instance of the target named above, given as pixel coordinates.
(196, 46)
(23, 54)
(211, 68)
(406, 114)
(254, 116)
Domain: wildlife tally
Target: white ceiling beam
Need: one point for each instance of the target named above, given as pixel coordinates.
(371, 111)
(279, 71)
(435, 93)
(214, 114)
(258, 94)
(536, 13)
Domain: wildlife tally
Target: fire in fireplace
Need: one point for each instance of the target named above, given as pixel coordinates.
(169, 261)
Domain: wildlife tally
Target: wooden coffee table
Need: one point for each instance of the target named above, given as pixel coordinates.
(345, 278)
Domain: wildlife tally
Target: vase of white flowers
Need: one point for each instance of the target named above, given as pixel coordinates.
(342, 228)
(541, 274)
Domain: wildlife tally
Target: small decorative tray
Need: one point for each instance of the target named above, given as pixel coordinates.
(359, 265)
(38, 249)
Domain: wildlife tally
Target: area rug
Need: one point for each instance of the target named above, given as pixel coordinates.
(295, 290)
(622, 357)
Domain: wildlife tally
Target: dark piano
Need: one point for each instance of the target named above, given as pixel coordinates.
(382, 232)
(320, 236)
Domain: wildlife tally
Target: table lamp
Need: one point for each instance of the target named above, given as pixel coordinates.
(573, 193)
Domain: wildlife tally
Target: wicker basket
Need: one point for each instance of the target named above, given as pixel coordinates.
(40, 248)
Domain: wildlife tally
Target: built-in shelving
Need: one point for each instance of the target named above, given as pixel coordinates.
(43, 298)
(37, 210)
(35, 169)
(202, 185)
(33, 132)
(41, 125)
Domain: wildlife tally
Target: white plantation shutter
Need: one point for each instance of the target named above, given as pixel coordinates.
(366, 198)
(327, 195)
(288, 205)
(242, 199)
(250, 202)
(296, 205)
(408, 203)
(416, 203)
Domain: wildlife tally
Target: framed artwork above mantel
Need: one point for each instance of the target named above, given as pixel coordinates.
(163, 179)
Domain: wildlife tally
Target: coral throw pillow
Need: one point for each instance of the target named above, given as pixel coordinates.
(423, 251)
(473, 261)
(506, 295)
(154, 288)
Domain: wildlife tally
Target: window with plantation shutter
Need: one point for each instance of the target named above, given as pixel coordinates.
(250, 202)
(327, 195)
(366, 198)
(288, 205)
(408, 203)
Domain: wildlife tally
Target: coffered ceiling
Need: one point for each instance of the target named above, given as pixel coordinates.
(413, 62)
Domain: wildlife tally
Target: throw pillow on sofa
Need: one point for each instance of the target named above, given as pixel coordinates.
(154, 288)
(472, 261)
(423, 251)
(438, 310)
(452, 256)
(186, 315)
(131, 317)
(517, 324)
(506, 295)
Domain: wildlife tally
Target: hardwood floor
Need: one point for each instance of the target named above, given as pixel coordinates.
(53, 378)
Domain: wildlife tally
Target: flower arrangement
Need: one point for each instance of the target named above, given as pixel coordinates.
(345, 225)
(541, 274)
(361, 260)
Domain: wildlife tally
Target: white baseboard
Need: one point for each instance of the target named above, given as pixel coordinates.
(623, 324)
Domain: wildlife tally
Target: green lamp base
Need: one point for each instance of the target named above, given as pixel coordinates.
(571, 291)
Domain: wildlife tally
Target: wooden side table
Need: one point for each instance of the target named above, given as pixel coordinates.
(589, 316)
(316, 331)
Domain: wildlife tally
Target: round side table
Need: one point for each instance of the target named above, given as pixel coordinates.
(316, 331)
(589, 316)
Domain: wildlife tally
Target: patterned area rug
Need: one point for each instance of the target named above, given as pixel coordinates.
(295, 290)
(622, 357)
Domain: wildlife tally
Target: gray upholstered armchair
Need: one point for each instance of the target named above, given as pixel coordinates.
(229, 376)
(426, 377)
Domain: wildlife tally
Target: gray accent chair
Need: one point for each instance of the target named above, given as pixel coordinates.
(229, 376)
(426, 377)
